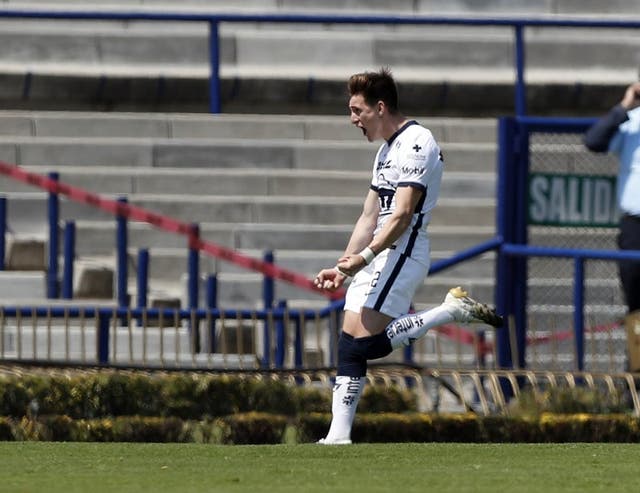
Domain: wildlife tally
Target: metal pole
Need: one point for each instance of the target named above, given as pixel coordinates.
(122, 257)
(214, 61)
(504, 277)
(3, 231)
(54, 216)
(104, 324)
(521, 88)
(268, 284)
(212, 304)
(69, 258)
(143, 277)
(193, 266)
(578, 310)
(281, 339)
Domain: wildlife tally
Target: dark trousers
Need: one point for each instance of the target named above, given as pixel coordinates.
(629, 239)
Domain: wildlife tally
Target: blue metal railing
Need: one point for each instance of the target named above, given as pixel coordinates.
(214, 19)
(579, 256)
(105, 316)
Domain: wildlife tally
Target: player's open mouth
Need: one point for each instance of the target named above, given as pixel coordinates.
(364, 131)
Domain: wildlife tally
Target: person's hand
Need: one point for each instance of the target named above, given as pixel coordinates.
(631, 97)
(351, 264)
(329, 279)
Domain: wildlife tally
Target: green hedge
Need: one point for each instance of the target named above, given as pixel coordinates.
(187, 396)
(207, 408)
(420, 427)
(262, 428)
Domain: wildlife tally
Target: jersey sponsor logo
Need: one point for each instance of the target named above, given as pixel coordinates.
(416, 170)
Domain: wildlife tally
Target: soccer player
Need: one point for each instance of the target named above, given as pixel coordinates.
(388, 252)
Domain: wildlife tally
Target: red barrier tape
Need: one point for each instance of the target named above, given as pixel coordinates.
(469, 338)
(165, 223)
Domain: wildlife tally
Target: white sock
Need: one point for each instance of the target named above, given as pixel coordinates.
(403, 331)
(346, 394)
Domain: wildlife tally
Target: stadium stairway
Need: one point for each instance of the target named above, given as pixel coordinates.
(289, 68)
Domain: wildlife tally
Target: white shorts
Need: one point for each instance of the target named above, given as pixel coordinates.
(386, 285)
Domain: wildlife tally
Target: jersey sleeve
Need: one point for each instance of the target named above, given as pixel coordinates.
(418, 158)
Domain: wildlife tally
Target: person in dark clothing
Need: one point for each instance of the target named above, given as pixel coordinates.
(618, 132)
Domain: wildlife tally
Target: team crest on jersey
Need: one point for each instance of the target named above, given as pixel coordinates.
(383, 165)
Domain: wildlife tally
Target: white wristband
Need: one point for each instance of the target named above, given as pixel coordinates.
(368, 255)
(341, 272)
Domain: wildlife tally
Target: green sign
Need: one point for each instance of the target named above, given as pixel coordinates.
(572, 200)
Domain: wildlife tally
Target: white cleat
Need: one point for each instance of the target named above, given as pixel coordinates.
(324, 441)
(466, 309)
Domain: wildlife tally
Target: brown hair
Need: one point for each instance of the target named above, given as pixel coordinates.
(374, 87)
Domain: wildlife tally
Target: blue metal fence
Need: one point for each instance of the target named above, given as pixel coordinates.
(515, 249)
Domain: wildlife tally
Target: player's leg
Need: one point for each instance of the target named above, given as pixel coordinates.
(457, 307)
(350, 381)
(354, 348)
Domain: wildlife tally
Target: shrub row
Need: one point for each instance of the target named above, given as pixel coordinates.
(182, 395)
(254, 428)
(261, 428)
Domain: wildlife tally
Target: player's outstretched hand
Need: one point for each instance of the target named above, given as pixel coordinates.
(329, 279)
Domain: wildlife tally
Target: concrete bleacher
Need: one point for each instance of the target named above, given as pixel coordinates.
(293, 183)
(293, 68)
(300, 201)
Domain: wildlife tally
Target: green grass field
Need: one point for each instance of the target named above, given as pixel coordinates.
(162, 468)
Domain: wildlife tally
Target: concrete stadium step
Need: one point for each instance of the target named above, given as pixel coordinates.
(98, 238)
(251, 182)
(249, 209)
(262, 68)
(221, 153)
(222, 126)
(20, 285)
(311, 46)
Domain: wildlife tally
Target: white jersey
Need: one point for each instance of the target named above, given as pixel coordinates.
(410, 158)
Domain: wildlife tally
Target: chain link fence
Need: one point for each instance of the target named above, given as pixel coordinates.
(579, 189)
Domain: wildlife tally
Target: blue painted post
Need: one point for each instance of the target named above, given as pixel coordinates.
(104, 324)
(504, 275)
(69, 258)
(143, 277)
(122, 257)
(521, 87)
(142, 281)
(214, 62)
(281, 339)
(578, 313)
(521, 236)
(212, 304)
(54, 216)
(268, 284)
(3, 231)
(193, 267)
(268, 297)
(194, 283)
